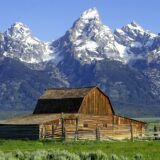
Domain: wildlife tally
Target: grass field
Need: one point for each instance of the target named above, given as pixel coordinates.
(149, 149)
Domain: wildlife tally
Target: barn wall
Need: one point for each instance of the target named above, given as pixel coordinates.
(19, 131)
(120, 129)
(96, 103)
(110, 127)
(137, 127)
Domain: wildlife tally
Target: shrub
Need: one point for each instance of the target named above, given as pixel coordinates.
(114, 157)
(61, 155)
(123, 158)
(98, 155)
(10, 156)
(138, 157)
(19, 155)
(2, 156)
(27, 155)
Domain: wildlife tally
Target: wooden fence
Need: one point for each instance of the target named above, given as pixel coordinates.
(86, 128)
(78, 130)
(70, 133)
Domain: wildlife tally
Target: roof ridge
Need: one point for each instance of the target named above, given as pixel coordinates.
(67, 88)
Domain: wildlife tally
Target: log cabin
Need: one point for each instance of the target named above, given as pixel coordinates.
(73, 113)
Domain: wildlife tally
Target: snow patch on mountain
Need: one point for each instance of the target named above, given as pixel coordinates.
(91, 13)
(87, 40)
(19, 43)
(138, 41)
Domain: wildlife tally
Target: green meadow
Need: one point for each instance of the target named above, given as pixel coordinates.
(83, 150)
(149, 150)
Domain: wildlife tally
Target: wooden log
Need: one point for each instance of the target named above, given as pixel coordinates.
(97, 134)
(52, 130)
(76, 132)
(131, 130)
(64, 136)
(62, 123)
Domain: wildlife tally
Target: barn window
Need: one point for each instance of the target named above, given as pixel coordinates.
(85, 125)
(105, 125)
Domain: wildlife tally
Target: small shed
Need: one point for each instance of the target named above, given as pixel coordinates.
(73, 113)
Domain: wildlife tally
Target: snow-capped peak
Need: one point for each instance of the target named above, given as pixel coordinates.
(20, 26)
(18, 30)
(135, 26)
(89, 39)
(91, 13)
(134, 29)
(21, 44)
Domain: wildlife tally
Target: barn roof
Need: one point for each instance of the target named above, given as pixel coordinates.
(67, 100)
(31, 119)
(62, 93)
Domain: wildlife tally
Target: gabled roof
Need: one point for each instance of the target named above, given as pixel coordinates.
(63, 93)
(66, 100)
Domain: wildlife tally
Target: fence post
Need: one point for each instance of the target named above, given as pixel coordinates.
(62, 123)
(97, 134)
(45, 132)
(76, 132)
(131, 130)
(52, 130)
(41, 133)
(64, 134)
(155, 132)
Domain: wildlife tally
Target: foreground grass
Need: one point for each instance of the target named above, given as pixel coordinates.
(149, 149)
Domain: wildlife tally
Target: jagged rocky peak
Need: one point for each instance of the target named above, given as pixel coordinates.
(90, 22)
(91, 13)
(19, 43)
(86, 24)
(133, 29)
(130, 31)
(135, 36)
(89, 39)
(134, 25)
(18, 30)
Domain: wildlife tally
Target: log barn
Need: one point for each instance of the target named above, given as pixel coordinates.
(73, 113)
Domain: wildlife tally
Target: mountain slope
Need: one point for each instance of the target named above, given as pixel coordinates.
(21, 86)
(125, 64)
(123, 70)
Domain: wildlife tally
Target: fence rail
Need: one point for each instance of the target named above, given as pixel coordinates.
(85, 130)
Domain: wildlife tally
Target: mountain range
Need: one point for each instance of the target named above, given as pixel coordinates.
(124, 63)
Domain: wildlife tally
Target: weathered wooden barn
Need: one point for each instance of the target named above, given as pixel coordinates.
(73, 113)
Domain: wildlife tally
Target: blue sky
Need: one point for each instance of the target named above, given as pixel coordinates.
(49, 19)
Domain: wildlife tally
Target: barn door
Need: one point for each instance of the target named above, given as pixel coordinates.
(70, 128)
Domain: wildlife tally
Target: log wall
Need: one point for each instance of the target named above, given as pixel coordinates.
(78, 127)
(19, 131)
(89, 127)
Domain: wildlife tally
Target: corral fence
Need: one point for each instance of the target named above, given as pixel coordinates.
(114, 133)
(71, 128)
(152, 133)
